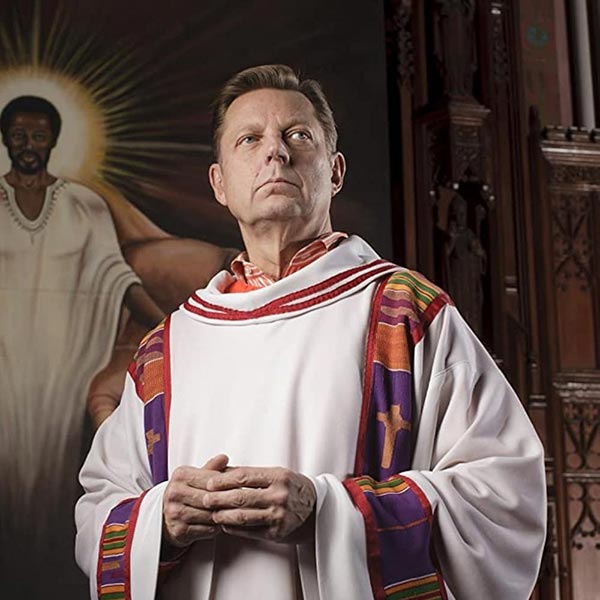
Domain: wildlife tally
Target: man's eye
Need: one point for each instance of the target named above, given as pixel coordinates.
(301, 136)
(247, 139)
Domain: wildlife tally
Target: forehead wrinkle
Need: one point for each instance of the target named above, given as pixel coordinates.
(242, 107)
(285, 125)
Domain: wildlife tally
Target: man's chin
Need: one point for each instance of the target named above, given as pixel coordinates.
(280, 205)
(28, 169)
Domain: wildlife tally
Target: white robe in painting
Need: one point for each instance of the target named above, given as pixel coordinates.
(283, 387)
(62, 281)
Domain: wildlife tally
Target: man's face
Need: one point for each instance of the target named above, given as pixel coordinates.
(274, 164)
(29, 141)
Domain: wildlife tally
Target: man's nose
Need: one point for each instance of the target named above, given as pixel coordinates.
(276, 149)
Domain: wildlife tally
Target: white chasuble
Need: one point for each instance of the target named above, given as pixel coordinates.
(298, 375)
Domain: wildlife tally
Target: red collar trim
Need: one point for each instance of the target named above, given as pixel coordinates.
(302, 299)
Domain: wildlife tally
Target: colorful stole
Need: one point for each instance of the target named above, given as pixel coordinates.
(397, 514)
(150, 370)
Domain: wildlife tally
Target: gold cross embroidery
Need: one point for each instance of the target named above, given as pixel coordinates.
(393, 423)
(151, 439)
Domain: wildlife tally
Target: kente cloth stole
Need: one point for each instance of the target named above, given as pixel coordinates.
(150, 370)
(397, 514)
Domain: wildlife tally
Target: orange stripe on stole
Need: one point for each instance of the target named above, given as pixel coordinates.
(391, 348)
(153, 379)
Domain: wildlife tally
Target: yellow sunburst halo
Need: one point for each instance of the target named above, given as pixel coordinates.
(81, 146)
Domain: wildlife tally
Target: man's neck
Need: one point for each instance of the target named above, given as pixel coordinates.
(35, 181)
(272, 249)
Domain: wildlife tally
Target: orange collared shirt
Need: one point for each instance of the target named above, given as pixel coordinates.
(249, 277)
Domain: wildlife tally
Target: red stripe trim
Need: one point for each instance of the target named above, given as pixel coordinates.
(99, 561)
(368, 379)
(373, 552)
(131, 369)
(130, 531)
(271, 310)
(442, 585)
(430, 313)
(167, 378)
(292, 296)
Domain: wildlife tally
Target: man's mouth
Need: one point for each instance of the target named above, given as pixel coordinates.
(274, 180)
(28, 162)
(28, 157)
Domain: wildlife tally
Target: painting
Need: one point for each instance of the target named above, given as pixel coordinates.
(107, 220)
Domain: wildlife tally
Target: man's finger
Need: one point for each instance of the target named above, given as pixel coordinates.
(254, 477)
(237, 498)
(189, 515)
(197, 478)
(245, 517)
(199, 532)
(216, 463)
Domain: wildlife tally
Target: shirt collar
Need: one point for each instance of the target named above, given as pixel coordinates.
(252, 275)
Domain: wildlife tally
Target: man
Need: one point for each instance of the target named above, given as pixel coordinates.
(62, 284)
(318, 424)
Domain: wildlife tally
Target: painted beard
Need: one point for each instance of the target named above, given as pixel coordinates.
(28, 162)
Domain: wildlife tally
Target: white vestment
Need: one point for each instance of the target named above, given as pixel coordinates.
(283, 387)
(62, 281)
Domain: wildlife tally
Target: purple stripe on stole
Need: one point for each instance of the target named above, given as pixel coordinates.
(156, 434)
(396, 303)
(405, 554)
(389, 388)
(121, 513)
(397, 509)
(110, 574)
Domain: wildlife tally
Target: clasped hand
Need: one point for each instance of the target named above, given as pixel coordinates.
(268, 503)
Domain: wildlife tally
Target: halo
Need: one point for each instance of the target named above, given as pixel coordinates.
(81, 146)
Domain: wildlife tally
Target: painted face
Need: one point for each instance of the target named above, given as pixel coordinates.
(29, 141)
(274, 164)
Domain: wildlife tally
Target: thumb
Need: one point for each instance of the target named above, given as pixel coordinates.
(216, 463)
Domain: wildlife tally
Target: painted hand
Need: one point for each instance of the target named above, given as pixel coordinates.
(269, 503)
(185, 516)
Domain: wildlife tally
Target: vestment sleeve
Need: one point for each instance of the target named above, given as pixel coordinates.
(466, 518)
(480, 465)
(119, 499)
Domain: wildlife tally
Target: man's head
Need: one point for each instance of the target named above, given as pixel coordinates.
(275, 141)
(30, 127)
(275, 77)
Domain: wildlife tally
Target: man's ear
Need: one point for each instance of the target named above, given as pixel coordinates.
(338, 170)
(215, 177)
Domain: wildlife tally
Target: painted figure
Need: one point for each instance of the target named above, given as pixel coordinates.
(63, 281)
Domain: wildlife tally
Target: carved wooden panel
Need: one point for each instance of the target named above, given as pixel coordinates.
(527, 247)
(580, 399)
(566, 183)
